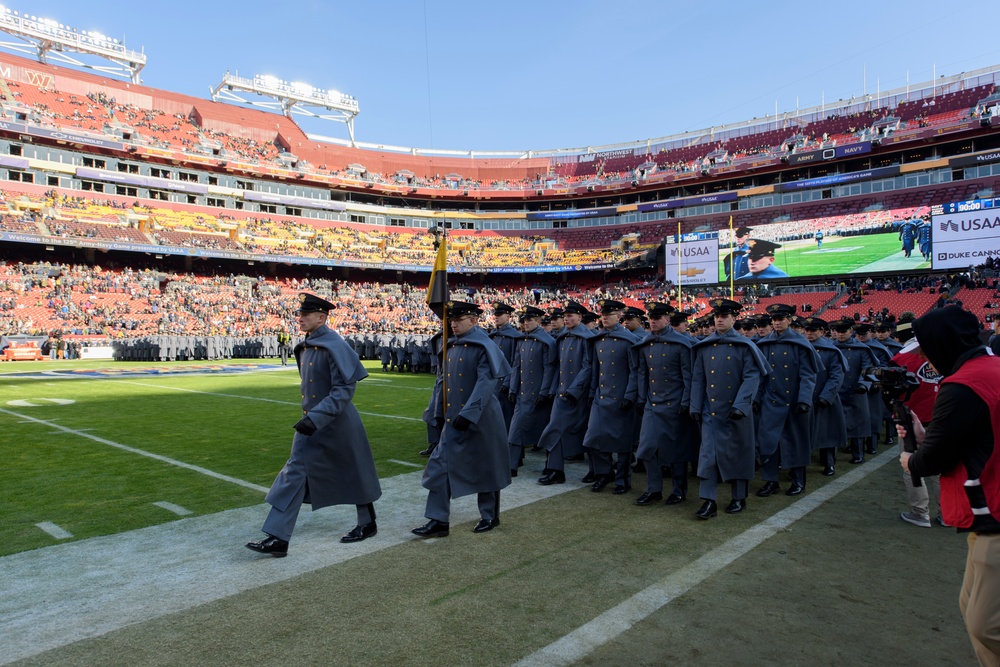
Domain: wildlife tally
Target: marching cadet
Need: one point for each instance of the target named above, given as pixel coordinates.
(530, 384)
(884, 332)
(679, 322)
(784, 425)
(284, 344)
(613, 385)
(632, 320)
(726, 373)
(506, 337)
(854, 390)
(563, 436)
(331, 461)
(558, 322)
(472, 455)
(668, 437)
(591, 320)
(878, 413)
(828, 428)
(764, 328)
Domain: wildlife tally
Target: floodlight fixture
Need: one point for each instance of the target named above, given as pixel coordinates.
(46, 38)
(295, 97)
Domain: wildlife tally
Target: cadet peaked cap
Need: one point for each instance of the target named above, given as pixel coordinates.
(678, 317)
(843, 324)
(310, 303)
(463, 308)
(589, 317)
(743, 231)
(885, 326)
(815, 324)
(658, 309)
(610, 306)
(725, 306)
(574, 307)
(798, 322)
(546, 320)
(500, 308)
(763, 320)
(632, 311)
(760, 248)
(780, 310)
(532, 313)
(556, 313)
(862, 327)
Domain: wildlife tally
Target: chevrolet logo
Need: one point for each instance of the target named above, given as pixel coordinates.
(691, 272)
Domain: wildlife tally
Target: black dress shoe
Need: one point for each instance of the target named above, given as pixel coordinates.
(648, 498)
(639, 467)
(536, 448)
(427, 452)
(600, 481)
(513, 472)
(432, 528)
(708, 509)
(795, 490)
(871, 450)
(619, 490)
(857, 458)
(486, 524)
(828, 471)
(673, 499)
(588, 478)
(554, 477)
(736, 506)
(769, 489)
(575, 457)
(360, 532)
(271, 545)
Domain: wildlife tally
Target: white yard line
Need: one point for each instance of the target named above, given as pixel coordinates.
(614, 622)
(406, 463)
(55, 531)
(61, 594)
(176, 509)
(251, 398)
(140, 452)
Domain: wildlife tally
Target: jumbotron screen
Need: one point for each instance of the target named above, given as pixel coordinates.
(966, 233)
(859, 243)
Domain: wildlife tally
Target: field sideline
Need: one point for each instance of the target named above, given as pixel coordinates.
(570, 577)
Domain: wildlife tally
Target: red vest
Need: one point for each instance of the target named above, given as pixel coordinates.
(982, 375)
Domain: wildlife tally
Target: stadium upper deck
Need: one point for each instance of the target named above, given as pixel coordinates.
(109, 115)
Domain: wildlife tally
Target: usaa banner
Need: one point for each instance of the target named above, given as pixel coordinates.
(699, 262)
(966, 238)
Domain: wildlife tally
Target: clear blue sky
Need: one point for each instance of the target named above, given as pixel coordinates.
(523, 74)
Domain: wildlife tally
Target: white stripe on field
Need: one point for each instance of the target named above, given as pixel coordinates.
(54, 530)
(405, 463)
(252, 398)
(614, 622)
(176, 509)
(133, 450)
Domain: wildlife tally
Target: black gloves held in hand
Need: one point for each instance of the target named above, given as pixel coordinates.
(696, 416)
(511, 398)
(570, 398)
(823, 403)
(736, 415)
(461, 423)
(640, 408)
(802, 408)
(756, 409)
(543, 401)
(860, 389)
(626, 405)
(305, 426)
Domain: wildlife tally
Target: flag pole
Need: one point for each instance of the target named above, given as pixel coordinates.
(732, 260)
(680, 305)
(438, 296)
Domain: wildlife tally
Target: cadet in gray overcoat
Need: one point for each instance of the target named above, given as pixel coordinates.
(854, 391)
(726, 374)
(505, 336)
(472, 455)
(784, 429)
(529, 384)
(828, 428)
(877, 410)
(613, 384)
(668, 436)
(563, 437)
(331, 461)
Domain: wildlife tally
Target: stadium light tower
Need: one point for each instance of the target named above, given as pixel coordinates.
(289, 98)
(47, 38)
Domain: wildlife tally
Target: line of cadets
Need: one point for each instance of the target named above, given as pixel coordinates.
(726, 396)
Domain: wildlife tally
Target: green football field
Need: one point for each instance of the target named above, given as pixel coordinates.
(871, 253)
(65, 434)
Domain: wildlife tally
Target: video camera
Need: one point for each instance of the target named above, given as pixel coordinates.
(897, 385)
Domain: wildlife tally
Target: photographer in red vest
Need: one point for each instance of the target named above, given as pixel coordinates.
(959, 445)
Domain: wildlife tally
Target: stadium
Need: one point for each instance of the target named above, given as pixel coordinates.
(134, 472)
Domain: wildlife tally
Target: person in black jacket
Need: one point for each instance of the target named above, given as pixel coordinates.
(959, 445)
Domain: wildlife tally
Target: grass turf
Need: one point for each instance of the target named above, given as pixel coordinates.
(238, 425)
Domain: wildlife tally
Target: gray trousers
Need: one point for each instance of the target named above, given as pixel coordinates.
(603, 465)
(438, 487)
(280, 523)
(710, 488)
